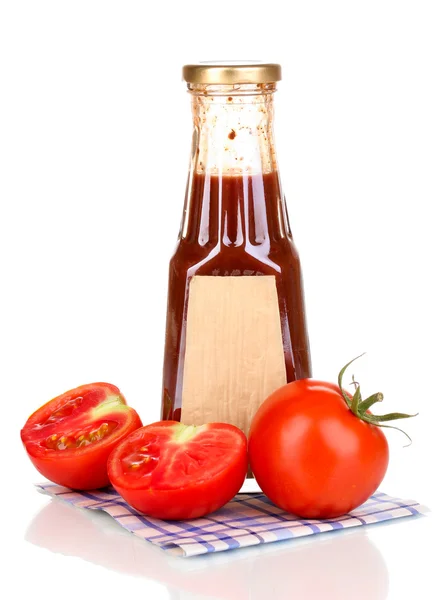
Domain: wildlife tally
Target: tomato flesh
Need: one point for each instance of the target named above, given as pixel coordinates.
(69, 438)
(169, 470)
(311, 455)
(65, 410)
(79, 439)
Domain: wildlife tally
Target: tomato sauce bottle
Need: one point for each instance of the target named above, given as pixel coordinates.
(236, 326)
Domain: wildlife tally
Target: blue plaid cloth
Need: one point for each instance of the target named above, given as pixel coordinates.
(248, 520)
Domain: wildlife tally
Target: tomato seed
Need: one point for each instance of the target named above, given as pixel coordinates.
(64, 411)
(79, 439)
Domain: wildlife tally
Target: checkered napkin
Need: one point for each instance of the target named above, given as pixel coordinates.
(248, 520)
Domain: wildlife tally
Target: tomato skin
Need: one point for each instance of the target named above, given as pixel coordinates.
(85, 467)
(311, 455)
(170, 492)
(86, 472)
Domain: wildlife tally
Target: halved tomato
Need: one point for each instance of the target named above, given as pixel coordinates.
(169, 470)
(69, 438)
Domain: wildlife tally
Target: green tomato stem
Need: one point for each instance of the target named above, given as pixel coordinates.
(360, 407)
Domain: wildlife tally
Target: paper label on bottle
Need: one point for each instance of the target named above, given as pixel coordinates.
(234, 354)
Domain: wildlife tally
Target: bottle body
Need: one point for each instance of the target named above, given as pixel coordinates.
(236, 325)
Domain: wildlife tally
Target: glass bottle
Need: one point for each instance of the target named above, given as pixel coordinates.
(236, 327)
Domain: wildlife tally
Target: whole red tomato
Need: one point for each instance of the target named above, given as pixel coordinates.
(169, 470)
(311, 455)
(69, 438)
(316, 451)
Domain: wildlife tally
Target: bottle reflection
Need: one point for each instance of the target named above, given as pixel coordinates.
(342, 565)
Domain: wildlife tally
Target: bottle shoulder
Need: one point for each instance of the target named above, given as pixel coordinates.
(221, 260)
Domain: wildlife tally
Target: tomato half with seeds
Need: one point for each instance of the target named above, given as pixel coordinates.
(169, 470)
(69, 438)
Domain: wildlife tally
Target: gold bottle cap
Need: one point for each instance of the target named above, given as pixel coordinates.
(231, 72)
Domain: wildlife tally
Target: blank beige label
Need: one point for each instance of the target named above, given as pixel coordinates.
(234, 351)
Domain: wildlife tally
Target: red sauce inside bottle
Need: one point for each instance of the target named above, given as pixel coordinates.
(234, 225)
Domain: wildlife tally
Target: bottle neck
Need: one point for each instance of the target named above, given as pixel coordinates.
(233, 129)
(234, 196)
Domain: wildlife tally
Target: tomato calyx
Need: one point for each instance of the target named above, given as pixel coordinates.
(360, 407)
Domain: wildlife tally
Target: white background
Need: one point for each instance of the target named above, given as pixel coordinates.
(95, 134)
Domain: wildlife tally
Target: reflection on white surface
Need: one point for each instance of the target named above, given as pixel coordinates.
(340, 565)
